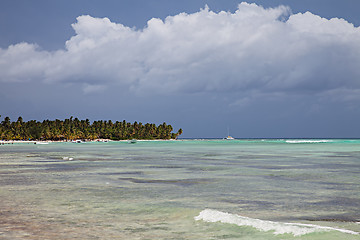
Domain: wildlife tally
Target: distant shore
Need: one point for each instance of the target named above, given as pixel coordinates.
(49, 141)
(3, 142)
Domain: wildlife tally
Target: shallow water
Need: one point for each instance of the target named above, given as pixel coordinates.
(190, 189)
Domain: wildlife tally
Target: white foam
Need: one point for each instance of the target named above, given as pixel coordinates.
(308, 141)
(297, 229)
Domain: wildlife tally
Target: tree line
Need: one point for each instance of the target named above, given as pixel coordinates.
(73, 129)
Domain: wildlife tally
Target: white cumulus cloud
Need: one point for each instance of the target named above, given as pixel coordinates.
(267, 50)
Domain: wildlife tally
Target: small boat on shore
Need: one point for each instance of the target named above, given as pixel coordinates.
(133, 141)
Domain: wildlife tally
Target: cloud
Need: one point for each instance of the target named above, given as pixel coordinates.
(93, 88)
(22, 62)
(268, 50)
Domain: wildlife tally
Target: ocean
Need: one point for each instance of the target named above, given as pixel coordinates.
(184, 189)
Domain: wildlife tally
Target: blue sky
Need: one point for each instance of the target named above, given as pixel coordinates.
(281, 68)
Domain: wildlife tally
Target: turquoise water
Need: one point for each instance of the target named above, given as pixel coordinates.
(186, 189)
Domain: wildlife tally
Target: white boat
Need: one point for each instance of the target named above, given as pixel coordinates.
(229, 138)
(41, 143)
(77, 141)
(132, 141)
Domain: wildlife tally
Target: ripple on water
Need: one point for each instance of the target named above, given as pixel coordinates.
(178, 182)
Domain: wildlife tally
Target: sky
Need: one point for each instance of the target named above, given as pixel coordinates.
(261, 68)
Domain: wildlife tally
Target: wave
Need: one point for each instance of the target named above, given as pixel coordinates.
(308, 141)
(296, 229)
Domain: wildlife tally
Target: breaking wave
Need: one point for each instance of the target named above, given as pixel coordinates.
(297, 229)
(308, 141)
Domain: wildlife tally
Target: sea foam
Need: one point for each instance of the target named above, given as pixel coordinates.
(296, 229)
(308, 141)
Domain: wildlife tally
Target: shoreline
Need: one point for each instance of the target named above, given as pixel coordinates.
(3, 142)
(285, 140)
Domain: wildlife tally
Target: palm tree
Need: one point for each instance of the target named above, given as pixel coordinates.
(83, 129)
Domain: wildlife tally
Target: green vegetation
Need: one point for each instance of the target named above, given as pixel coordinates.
(73, 128)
